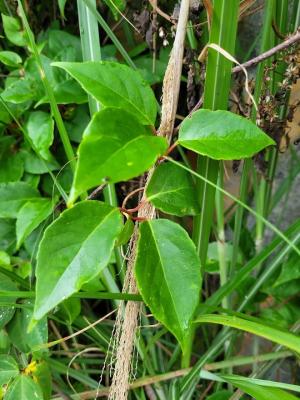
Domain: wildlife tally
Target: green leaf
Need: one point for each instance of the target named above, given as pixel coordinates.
(11, 167)
(222, 135)
(6, 312)
(61, 5)
(30, 216)
(126, 233)
(259, 392)
(63, 46)
(77, 122)
(167, 270)
(256, 327)
(39, 128)
(7, 234)
(80, 242)
(14, 31)
(116, 7)
(4, 259)
(24, 388)
(212, 259)
(115, 147)
(220, 395)
(290, 270)
(36, 165)
(13, 196)
(115, 85)
(18, 330)
(10, 58)
(42, 376)
(19, 91)
(69, 310)
(8, 368)
(171, 190)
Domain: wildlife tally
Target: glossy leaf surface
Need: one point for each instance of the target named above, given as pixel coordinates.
(168, 275)
(114, 84)
(171, 190)
(24, 387)
(115, 147)
(222, 135)
(8, 368)
(80, 242)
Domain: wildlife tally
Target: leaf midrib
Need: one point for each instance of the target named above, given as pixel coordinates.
(145, 116)
(90, 234)
(158, 252)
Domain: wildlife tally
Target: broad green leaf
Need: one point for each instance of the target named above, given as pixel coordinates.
(13, 196)
(256, 327)
(171, 190)
(36, 165)
(6, 312)
(260, 392)
(10, 58)
(30, 216)
(18, 330)
(39, 127)
(167, 270)
(14, 31)
(7, 235)
(80, 242)
(8, 368)
(11, 167)
(290, 270)
(115, 147)
(4, 341)
(67, 92)
(23, 387)
(63, 46)
(19, 91)
(222, 135)
(115, 85)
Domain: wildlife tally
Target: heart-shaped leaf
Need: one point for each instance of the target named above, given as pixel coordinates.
(222, 135)
(167, 270)
(172, 190)
(24, 388)
(114, 84)
(8, 369)
(80, 243)
(115, 147)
